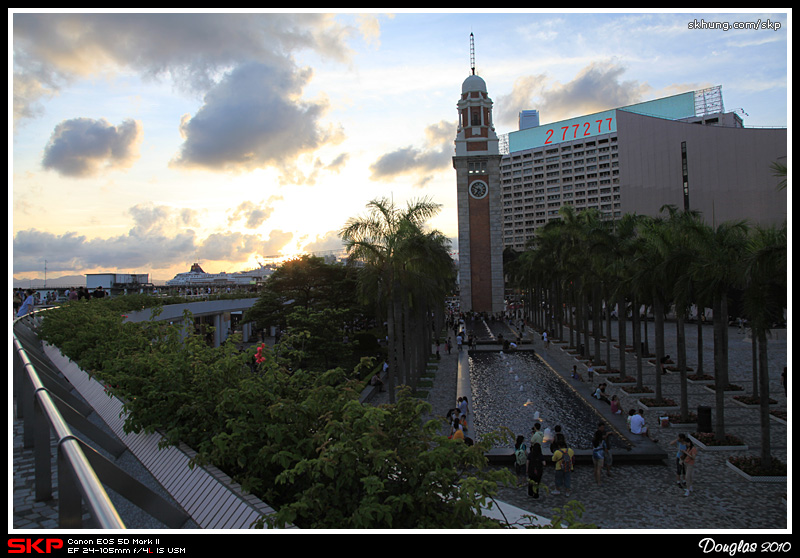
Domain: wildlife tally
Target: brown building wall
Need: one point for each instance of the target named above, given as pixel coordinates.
(728, 168)
(481, 253)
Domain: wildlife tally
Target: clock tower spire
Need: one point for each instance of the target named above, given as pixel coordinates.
(477, 165)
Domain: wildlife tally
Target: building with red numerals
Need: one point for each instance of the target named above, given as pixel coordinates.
(683, 150)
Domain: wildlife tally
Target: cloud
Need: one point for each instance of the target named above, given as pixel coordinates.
(328, 242)
(191, 50)
(420, 163)
(254, 215)
(252, 119)
(158, 239)
(84, 147)
(596, 87)
(238, 247)
(69, 252)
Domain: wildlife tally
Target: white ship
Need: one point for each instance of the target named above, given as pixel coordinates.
(196, 277)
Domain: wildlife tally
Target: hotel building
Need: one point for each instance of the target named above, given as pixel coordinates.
(683, 150)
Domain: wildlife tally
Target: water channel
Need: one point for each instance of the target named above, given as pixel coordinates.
(516, 389)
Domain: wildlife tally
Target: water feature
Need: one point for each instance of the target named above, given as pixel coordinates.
(516, 389)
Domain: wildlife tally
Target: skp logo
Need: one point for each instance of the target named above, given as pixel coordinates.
(30, 546)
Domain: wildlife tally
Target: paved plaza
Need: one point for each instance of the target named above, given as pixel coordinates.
(636, 496)
(646, 496)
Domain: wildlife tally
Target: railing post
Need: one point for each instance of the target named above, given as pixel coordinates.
(42, 461)
(69, 496)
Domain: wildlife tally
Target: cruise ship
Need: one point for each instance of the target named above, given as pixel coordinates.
(196, 277)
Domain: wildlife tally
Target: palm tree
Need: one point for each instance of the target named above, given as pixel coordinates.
(677, 249)
(620, 266)
(656, 279)
(429, 276)
(779, 171)
(716, 271)
(575, 233)
(765, 291)
(387, 240)
(542, 267)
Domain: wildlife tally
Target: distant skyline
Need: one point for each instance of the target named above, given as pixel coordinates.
(143, 142)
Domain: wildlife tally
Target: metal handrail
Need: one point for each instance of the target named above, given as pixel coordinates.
(76, 478)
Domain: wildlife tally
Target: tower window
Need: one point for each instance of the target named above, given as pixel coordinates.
(476, 117)
(477, 167)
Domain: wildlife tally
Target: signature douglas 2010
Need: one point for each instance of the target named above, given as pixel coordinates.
(709, 545)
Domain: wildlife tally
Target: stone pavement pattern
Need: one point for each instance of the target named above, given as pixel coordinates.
(645, 496)
(636, 496)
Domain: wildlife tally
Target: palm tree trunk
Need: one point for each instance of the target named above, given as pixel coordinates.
(658, 312)
(393, 356)
(622, 317)
(699, 343)
(608, 334)
(597, 324)
(766, 445)
(559, 299)
(681, 333)
(755, 356)
(637, 343)
(720, 361)
(571, 317)
(587, 352)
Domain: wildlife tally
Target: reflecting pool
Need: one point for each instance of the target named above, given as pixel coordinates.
(516, 389)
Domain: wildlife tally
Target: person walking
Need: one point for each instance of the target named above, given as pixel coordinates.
(535, 469)
(598, 455)
(689, 461)
(564, 460)
(27, 304)
(608, 457)
(680, 467)
(520, 455)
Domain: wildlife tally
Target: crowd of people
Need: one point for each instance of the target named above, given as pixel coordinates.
(458, 419)
(531, 459)
(25, 300)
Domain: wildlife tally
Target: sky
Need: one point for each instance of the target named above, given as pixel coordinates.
(144, 142)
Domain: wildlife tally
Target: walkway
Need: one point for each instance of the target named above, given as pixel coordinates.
(637, 496)
(641, 496)
(645, 496)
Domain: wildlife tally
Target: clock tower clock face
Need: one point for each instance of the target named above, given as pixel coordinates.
(478, 189)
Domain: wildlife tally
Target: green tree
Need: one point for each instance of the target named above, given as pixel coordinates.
(765, 297)
(391, 244)
(716, 271)
(299, 439)
(306, 282)
(314, 339)
(382, 467)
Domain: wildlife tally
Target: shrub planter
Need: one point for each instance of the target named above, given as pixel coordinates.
(676, 369)
(701, 379)
(731, 443)
(663, 405)
(633, 390)
(750, 402)
(617, 381)
(747, 467)
(731, 389)
(675, 419)
(778, 416)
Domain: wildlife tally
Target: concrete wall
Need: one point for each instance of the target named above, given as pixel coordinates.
(729, 169)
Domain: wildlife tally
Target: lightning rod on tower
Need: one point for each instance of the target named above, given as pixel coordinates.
(472, 52)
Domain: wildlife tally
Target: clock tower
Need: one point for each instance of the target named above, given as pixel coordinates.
(480, 216)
